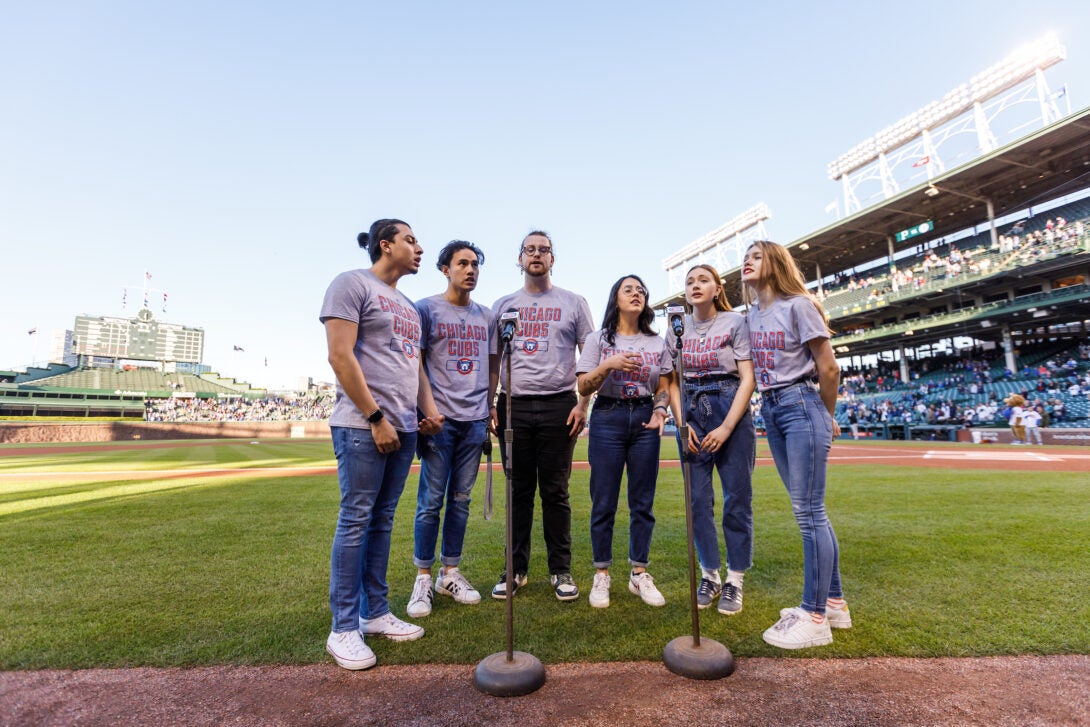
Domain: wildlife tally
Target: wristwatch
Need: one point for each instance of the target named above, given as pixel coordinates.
(376, 416)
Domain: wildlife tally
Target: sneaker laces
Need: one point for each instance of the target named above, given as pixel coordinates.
(786, 621)
(707, 587)
(731, 592)
(601, 580)
(564, 579)
(420, 589)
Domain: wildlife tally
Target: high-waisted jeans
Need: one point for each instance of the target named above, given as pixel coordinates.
(800, 435)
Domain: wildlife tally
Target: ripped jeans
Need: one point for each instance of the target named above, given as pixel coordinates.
(449, 463)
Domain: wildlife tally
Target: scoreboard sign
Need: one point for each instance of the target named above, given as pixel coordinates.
(142, 338)
(921, 229)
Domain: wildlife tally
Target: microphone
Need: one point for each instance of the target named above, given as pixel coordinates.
(509, 322)
(675, 314)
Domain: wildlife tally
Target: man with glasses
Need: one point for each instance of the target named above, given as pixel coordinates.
(546, 414)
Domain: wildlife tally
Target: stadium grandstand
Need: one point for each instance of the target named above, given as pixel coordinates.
(960, 286)
(146, 370)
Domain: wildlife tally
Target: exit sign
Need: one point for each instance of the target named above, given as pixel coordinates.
(921, 229)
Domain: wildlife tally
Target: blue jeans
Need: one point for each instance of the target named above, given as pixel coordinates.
(449, 463)
(707, 406)
(800, 434)
(371, 484)
(618, 441)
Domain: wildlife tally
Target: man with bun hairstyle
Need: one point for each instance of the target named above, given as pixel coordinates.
(373, 340)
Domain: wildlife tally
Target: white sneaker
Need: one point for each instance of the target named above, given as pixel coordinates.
(391, 627)
(420, 601)
(454, 584)
(838, 618)
(599, 591)
(796, 630)
(349, 651)
(643, 585)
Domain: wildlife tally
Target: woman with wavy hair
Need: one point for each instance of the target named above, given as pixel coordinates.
(798, 377)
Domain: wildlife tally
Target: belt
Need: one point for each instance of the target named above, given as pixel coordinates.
(710, 377)
(809, 382)
(636, 401)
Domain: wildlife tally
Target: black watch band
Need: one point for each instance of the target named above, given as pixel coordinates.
(376, 416)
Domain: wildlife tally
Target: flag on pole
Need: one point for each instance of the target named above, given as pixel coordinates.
(32, 331)
(922, 162)
(147, 275)
(240, 348)
(1061, 93)
(266, 362)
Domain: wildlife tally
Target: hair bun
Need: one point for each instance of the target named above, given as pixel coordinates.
(363, 239)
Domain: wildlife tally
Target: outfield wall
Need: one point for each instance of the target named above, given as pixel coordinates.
(27, 432)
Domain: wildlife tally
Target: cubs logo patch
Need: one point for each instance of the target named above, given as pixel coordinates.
(408, 348)
(630, 391)
(465, 366)
(530, 345)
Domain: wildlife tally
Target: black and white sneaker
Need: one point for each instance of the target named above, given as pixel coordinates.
(707, 592)
(499, 591)
(565, 587)
(730, 602)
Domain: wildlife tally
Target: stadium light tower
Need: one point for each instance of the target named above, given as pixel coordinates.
(722, 248)
(917, 139)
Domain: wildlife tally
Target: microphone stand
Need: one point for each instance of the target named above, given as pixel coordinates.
(689, 656)
(509, 673)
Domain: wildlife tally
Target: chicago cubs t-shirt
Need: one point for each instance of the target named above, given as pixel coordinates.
(551, 325)
(778, 337)
(387, 347)
(626, 384)
(712, 347)
(455, 341)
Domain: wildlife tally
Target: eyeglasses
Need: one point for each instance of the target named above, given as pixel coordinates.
(634, 290)
(531, 250)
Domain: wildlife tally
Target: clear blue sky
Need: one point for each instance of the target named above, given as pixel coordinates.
(234, 150)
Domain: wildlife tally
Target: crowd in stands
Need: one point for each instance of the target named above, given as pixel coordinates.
(236, 409)
(1015, 247)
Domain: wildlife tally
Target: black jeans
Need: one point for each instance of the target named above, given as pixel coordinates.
(542, 451)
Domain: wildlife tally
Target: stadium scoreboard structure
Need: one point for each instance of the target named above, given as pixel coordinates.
(141, 338)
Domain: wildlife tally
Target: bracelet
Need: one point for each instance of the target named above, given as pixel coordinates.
(664, 409)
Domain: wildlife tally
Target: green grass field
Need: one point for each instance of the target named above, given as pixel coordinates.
(183, 570)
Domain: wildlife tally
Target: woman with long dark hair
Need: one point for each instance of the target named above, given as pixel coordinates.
(626, 363)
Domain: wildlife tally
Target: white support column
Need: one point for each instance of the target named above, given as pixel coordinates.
(985, 139)
(992, 234)
(904, 363)
(1008, 349)
(889, 184)
(1049, 111)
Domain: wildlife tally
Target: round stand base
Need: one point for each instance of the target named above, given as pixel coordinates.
(499, 677)
(710, 660)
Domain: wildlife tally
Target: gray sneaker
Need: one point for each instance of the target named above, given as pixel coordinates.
(730, 603)
(565, 587)
(707, 592)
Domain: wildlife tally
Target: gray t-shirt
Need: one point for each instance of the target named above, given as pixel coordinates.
(387, 347)
(712, 347)
(627, 384)
(455, 342)
(778, 337)
(551, 325)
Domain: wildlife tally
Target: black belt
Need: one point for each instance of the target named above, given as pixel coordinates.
(635, 401)
(711, 377)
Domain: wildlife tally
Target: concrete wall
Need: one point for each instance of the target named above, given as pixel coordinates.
(26, 432)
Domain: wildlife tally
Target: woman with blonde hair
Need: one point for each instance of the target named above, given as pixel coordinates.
(798, 376)
(718, 384)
